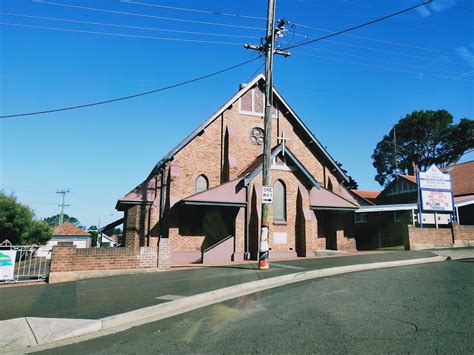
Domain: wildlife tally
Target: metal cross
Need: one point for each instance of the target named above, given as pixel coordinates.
(282, 139)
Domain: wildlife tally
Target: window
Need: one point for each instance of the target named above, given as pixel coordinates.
(360, 218)
(256, 136)
(253, 103)
(201, 183)
(279, 201)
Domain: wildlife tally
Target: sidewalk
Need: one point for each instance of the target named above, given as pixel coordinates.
(104, 297)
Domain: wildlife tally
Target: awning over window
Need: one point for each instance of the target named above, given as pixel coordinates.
(232, 193)
(322, 199)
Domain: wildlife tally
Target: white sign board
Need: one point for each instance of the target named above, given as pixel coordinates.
(267, 194)
(435, 190)
(7, 264)
(280, 238)
(436, 200)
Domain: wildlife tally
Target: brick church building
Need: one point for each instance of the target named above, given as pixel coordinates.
(202, 201)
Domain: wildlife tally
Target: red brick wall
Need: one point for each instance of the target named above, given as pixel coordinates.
(66, 257)
(463, 232)
(436, 237)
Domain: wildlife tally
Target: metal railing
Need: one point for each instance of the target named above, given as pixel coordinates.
(28, 265)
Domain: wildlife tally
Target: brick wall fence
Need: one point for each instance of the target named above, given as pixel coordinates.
(69, 263)
(428, 238)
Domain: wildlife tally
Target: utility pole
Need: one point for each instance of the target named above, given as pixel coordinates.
(268, 49)
(63, 193)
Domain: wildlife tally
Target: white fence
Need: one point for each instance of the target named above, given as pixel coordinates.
(20, 263)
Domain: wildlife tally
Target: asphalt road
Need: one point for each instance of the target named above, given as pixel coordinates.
(423, 309)
(102, 297)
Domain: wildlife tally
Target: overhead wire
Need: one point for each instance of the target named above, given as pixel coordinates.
(208, 12)
(365, 24)
(182, 83)
(382, 67)
(126, 26)
(379, 40)
(148, 16)
(120, 34)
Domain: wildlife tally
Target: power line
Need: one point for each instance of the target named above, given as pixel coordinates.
(379, 40)
(208, 12)
(395, 53)
(134, 95)
(382, 67)
(126, 26)
(121, 34)
(386, 61)
(359, 26)
(149, 16)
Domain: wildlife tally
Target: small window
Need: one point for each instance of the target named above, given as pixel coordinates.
(253, 103)
(279, 201)
(202, 183)
(360, 217)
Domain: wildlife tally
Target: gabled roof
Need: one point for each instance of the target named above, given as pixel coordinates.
(234, 98)
(231, 193)
(462, 177)
(143, 193)
(323, 199)
(254, 168)
(367, 194)
(411, 178)
(67, 228)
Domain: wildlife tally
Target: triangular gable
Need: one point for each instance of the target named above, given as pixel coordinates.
(257, 166)
(410, 178)
(234, 98)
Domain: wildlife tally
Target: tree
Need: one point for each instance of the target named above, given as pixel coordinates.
(54, 220)
(351, 184)
(423, 138)
(18, 223)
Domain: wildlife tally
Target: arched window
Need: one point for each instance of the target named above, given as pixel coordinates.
(279, 201)
(201, 183)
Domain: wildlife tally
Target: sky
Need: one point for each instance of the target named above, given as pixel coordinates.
(349, 90)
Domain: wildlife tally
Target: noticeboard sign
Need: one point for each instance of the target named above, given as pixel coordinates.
(435, 190)
(433, 200)
(7, 264)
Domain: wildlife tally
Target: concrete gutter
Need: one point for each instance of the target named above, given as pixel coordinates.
(60, 332)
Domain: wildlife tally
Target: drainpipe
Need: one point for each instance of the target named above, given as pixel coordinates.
(162, 199)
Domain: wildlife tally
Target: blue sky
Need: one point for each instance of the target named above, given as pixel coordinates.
(350, 91)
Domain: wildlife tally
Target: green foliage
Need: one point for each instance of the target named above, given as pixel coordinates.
(54, 220)
(17, 223)
(423, 138)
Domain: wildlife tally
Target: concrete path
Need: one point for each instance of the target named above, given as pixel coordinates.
(63, 331)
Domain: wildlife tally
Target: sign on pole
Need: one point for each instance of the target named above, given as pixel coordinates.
(7, 264)
(267, 194)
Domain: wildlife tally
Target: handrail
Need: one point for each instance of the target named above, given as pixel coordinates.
(218, 243)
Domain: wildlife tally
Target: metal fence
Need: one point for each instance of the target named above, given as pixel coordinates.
(28, 266)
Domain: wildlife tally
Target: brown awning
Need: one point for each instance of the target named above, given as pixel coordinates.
(232, 193)
(322, 199)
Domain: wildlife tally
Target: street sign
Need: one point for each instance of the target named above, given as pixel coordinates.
(267, 194)
(7, 264)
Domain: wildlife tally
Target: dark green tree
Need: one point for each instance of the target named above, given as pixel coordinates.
(18, 223)
(54, 220)
(423, 138)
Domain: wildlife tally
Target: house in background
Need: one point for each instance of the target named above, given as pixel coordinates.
(66, 232)
(382, 221)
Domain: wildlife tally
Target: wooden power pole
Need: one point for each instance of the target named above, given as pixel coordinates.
(268, 49)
